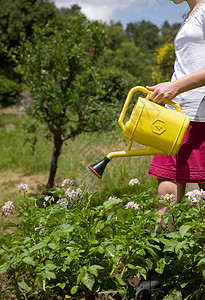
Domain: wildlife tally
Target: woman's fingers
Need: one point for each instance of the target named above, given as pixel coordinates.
(162, 93)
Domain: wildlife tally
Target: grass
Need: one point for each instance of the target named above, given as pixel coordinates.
(19, 164)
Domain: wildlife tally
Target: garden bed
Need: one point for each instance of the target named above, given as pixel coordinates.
(64, 249)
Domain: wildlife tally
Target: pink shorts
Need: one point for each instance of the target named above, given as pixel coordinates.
(189, 163)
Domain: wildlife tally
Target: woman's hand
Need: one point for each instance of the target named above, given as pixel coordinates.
(163, 93)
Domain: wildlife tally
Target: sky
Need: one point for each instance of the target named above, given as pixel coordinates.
(126, 11)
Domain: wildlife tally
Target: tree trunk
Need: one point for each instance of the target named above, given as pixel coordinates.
(54, 161)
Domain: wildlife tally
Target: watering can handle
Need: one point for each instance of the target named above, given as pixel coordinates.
(129, 97)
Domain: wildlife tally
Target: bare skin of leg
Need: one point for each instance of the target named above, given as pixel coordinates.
(167, 187)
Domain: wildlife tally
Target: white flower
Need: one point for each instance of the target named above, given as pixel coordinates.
(8, 207)
(134, 181)
(67, 182)
(79, 191)
(196, 196)
(168, 197)
(136, 206)
(72, 193)
(63, 202)
(131, 204)
(49, 198)
(111, 198)
(203, 194)
(23, 187)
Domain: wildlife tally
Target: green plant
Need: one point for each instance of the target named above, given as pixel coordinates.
(90, 249)
(9, 91)
(71, 94)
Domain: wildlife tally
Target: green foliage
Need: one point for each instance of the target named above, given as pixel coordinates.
(9, 91)
(51, 65)
(144, 34)
(70, 93)
(58, 251)
(131, 51)
(168, 32)
(115, 36)
(20, 16)
(164, 67)
(17, 18)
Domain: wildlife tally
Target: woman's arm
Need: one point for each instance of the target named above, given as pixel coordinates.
(166, 91)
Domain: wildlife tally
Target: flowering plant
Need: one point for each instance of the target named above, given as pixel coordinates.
(68, 248)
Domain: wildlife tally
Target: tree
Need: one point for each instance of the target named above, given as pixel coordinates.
(164, 67)
(58, 66)
(19, 16)
(128, 57)
(168, 32)
(115, 36)
(69, 11)
(144, 34)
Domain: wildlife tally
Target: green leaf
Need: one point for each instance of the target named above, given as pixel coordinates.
(183, 285)
(201, 262)
(94, 269)
(49, 274)
(50, 266)
(120, 280)
(169, 245)
(124, 214)
(38, 247)
(110, 250)
(28, 260)
(173, 295)
(110, 204)
(52, 246)
(4, 267)
(23, 285)
(9, 225)
(88, 280)
(160, 266)
(130, 266)
(74, 290)
(152, 252)
(179, 246)
(122, 293)
(62, 285)
(110, 215)
(184, 229)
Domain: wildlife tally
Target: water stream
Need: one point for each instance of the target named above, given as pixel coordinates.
(87, 183)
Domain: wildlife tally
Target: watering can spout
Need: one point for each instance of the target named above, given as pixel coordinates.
(99, 167)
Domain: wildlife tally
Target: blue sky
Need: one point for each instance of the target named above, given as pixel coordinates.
(155, 11)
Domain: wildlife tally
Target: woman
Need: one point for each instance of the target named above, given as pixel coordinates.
(187, 88)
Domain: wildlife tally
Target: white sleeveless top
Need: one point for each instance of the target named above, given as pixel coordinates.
(190, 57)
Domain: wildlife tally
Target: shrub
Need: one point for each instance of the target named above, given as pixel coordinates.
(62, 245)
(9, 91)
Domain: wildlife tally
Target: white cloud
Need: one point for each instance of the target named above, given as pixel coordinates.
(99, 9)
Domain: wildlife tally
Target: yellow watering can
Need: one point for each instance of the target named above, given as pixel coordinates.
(161, 130)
